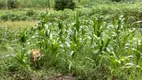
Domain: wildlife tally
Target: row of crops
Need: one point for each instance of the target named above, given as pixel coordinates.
(95, 48)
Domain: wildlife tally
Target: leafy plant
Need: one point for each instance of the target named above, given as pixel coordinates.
(90, 47)
(62, 4)
(12, 4)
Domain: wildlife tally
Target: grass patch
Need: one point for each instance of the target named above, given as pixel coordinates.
(94, 48)
(112, 10)
(103, 42)
(17, 24)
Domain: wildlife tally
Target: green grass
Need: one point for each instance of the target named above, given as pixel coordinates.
(132, 11)
(44, 3)
(90, 48)
(103, 42)
(17, 24)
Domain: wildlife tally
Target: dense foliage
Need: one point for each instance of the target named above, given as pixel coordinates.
(62, 4)
(51, 3)
(12, 4)
(90, 48)
(99, 42)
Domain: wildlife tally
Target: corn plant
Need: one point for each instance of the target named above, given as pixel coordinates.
(96, 46)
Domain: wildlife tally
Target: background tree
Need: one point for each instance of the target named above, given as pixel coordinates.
(12, 4)
(62, 4)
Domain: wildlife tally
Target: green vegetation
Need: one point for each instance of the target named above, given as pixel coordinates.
(113, 10)
(62, 4)
(50, 3)
(12, 4)
(92, 42)
(17, 24)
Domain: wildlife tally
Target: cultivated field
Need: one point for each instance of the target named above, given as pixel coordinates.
(98, 40)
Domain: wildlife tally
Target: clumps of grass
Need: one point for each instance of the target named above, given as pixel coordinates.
(25, 15)
(2, 4)
(131, 11)
(95, 48)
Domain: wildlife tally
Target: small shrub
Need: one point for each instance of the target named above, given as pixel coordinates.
(62, 4)
(12, 4)
(10, 16)
(30, 12)
(2, 4)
